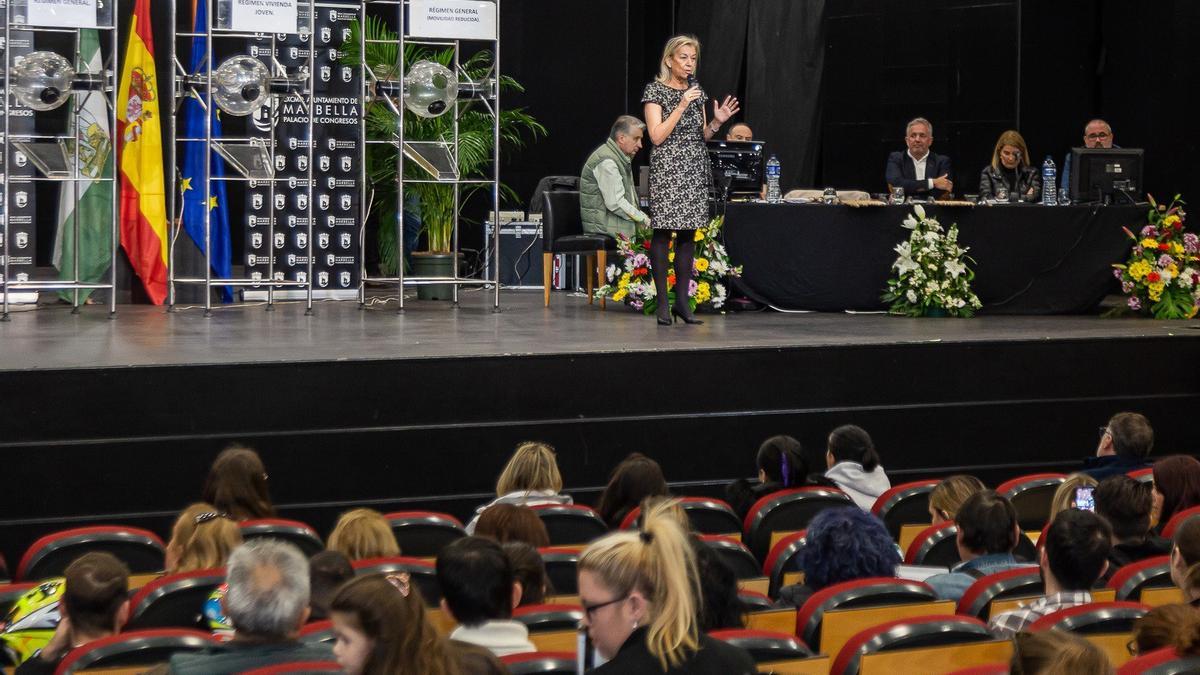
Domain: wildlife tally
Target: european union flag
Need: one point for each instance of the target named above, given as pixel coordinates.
(197, 199)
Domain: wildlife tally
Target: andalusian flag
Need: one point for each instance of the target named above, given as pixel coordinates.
(196, 198)
(88, 200)
(143, 196)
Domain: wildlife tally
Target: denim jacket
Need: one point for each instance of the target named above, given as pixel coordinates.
(952, 585)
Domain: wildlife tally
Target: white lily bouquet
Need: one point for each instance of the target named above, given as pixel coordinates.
(931, 277)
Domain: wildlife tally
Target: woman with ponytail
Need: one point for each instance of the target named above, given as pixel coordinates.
(1185, 561)
(781, 466)
(201, 538)
(639, 593)
(1176, 626)
(854, 465)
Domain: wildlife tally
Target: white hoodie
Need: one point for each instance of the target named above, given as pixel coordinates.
(862, 486)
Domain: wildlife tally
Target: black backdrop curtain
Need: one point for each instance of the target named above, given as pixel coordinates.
(783, 44)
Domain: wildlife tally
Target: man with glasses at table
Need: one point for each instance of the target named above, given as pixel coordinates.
(1096, 134)
(1125, 442)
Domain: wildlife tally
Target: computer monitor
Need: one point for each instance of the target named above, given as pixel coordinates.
(1099, 173)
(738, 164)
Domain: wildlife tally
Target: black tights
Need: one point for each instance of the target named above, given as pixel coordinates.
(685, 252)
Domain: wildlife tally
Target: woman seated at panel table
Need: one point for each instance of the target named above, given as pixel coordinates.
(1010, 162)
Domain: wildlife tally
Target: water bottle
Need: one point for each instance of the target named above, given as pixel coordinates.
(773, 172)
(1049, 183)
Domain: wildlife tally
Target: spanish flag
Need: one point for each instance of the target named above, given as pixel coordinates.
(143, 195)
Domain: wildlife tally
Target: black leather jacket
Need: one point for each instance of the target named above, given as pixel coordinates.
(991, 180)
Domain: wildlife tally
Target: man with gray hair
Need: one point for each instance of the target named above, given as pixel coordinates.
(607, 199)
(267, 602)
(920, 171)
(1097, 134)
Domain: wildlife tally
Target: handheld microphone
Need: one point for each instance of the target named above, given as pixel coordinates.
(692, 81)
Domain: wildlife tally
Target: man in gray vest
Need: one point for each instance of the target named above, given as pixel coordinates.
(607, 199)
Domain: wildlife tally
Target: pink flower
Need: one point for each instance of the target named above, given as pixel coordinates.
(1127, 287)
(1117, 273)
(1149, 231)
(1138, 250)
(1135, 304)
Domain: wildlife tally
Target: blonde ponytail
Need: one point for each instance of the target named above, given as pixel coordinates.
(658, 561)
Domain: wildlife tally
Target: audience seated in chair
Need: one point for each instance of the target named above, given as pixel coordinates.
(781, 466)
(361, 534)
(635, 478)
(640, 591)
(1073, 559)
(987, 534)
(842, 544)
(1176, 626)
(380, 627)
(1125, 442)
(267, 602)
(1055, 652)
(94, 605)
(529, 571)
(327, 571)
(854, 465)
(237, 485)
(1064, 495)
(507, 522)
(530, 478)
(1185, 561)
(202, 538)
(479, 591)
(947, 497)
(1176, 487)
(1126, 504)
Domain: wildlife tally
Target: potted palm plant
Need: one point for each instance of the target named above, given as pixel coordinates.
(437, 201)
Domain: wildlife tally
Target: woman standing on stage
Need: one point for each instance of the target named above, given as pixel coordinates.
(679, 171)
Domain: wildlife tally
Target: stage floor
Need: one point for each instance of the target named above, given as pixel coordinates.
(51, 337)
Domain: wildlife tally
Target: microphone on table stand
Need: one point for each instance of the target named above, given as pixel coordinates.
(1017, 180)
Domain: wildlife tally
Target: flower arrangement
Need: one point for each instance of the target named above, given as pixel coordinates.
(1162, 274)
(931, 273)
(631, 281)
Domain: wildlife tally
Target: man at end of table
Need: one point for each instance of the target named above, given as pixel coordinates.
(607, 198)
(1097, 134)
(740, 132)
(920, 171)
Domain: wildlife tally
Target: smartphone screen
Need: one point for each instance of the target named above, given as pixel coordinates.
(1084, 500)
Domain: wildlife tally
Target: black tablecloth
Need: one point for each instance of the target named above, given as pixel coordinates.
(1030, 259)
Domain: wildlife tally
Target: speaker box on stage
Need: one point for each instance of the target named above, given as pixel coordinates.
(520, 254)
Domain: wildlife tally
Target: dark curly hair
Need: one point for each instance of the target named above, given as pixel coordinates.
(844, 544)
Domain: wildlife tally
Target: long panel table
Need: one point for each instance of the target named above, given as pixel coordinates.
(1029, 259)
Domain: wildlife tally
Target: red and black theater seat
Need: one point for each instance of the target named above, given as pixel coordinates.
(904, 504)
(922, 631)
(786, 510)
(937, 545)
(422, 573)
(423, 534)
(1129, 581)
(872, 592)
(1165, 661)
(175, 600)
(764, 645)
(47, 557)
(1031, 496)
(1095, 617)
(135, 648)
(297, 667)
(540, 663)
(783, 558)
(753, 601)
(570, 523)
(303, 536)
(707, 515)
(549, 617)
(734, 554)
(317, 632)
(977, 600)
(561, 569)
(1174, 523)
(1145, 475)
(986, 669)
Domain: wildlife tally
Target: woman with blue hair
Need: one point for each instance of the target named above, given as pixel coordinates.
(841, 544)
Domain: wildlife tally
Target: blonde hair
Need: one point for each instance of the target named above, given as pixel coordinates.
(1065, 494)
(1175, 626)
(533, 467)
(1049, 652)
(673, 45)
(948, 495)
(1013, 138)
(657, 561)
(361, 534)
(202, 538)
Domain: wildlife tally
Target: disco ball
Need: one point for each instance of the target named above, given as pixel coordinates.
(429, 89)
(241, 85)
(42, 80)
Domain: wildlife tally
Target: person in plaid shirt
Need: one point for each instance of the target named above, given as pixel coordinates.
(1074, 557)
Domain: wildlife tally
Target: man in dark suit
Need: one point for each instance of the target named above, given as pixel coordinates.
(920, 172)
